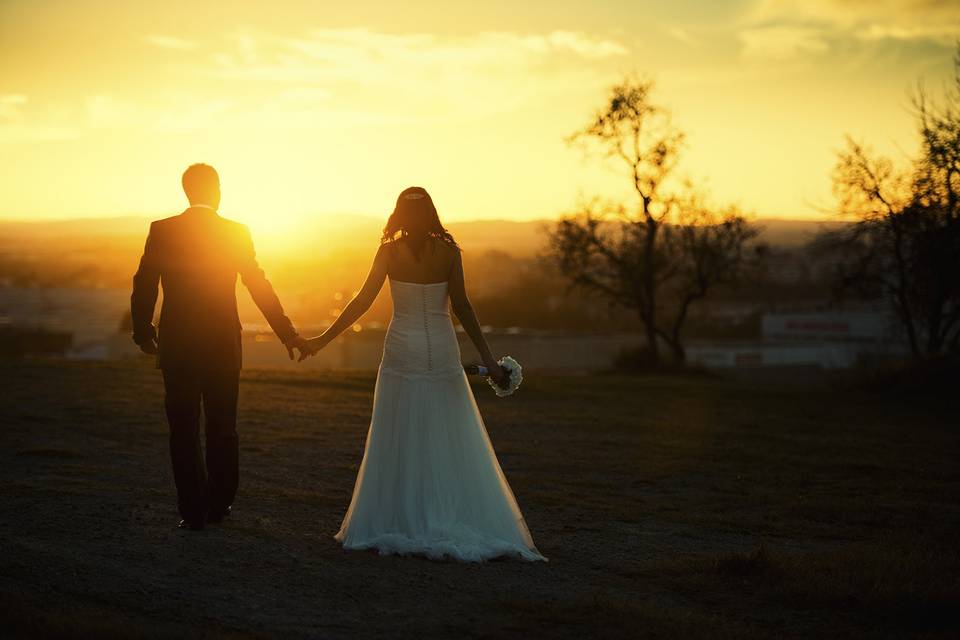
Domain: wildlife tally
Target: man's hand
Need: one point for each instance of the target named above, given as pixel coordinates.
(299, 343)
(149, 347)
(313, 347)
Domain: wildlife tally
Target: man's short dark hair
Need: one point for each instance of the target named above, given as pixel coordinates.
(201, 183)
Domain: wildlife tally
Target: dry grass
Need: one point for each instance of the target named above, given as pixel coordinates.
(669, 507)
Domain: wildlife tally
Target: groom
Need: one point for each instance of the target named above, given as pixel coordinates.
(196, 256)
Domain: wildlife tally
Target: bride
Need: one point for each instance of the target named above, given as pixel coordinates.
(429, 483)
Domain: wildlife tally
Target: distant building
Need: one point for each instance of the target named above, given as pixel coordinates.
(828, 326)
(831, 339)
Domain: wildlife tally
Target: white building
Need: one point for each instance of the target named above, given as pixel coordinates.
(824, 339)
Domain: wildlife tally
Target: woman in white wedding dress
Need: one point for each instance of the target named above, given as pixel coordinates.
(430, 483)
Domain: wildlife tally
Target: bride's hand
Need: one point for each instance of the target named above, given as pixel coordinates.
(497, 373)
(312, 347)
(298, 343)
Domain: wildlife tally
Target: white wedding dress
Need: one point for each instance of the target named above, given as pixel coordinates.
(430, 483)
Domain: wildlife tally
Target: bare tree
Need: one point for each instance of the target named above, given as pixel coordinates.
(905, 242)
(666, 242)
(704, 249)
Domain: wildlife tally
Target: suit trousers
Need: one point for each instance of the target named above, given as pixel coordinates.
(203, 488)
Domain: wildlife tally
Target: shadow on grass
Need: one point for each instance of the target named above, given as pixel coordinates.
(20, 618)
(903, 586)
(933, 378)
(52, 452)
(605, 615)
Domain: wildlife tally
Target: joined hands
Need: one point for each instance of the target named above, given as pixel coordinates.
(306, 347)
(298, 343)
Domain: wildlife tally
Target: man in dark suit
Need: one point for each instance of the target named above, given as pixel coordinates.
(196, 256)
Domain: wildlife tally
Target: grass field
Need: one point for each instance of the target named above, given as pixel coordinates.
(669, 507)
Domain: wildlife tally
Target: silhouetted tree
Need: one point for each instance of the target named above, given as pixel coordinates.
(905, 243)
(703, 249)
(668, 243)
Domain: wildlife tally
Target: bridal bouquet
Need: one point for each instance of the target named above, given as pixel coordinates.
(512, 369)
(514, 377)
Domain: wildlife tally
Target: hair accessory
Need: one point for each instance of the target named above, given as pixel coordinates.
(414, 195)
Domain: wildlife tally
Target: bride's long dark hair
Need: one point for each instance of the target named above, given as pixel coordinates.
(415, 219)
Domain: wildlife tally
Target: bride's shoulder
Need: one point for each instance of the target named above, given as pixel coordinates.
(388, 247)
(445, 245)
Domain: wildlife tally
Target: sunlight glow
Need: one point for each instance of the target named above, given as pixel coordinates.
(310, 116)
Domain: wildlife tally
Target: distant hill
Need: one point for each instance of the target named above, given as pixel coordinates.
(792, 233)
(314, 264)
(508, 236)
(322, 234)
(77, 227)
(334, 233)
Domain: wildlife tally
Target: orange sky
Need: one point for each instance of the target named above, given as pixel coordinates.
(315, 108)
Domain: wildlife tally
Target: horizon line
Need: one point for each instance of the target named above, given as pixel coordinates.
(5, 219)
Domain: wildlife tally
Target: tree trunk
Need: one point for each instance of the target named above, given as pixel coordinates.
(934, 336)
(955, 343)
(907, 319)
(679, 352)
(653, 345)
(676, 342)
(649, 284)
(902, 302)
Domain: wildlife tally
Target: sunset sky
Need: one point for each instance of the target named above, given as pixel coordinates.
(313, 108)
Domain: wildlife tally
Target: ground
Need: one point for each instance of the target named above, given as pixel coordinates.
(669, 507)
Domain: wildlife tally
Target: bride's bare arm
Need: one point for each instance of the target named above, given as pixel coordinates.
(356, 307)
(468, 317)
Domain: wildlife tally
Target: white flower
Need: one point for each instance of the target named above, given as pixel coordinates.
(514, 375)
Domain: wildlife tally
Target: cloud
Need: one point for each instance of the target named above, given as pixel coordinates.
(350, 53)
(782, 42)
(105, 111)
(202, 115)
(20, 133)
(781, 29)
(945, 34)
(10, 105)
(846, 13)
(336, 78)
(172, 114)
(914, 19)
(681, 35)
(584, 45)
(169, 42)
(15, 128)
(304, 95)
(23, 132)
(417, 75)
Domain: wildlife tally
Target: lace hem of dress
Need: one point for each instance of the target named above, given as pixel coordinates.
(442, 548)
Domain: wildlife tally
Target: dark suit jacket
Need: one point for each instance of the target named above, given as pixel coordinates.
(197, 256)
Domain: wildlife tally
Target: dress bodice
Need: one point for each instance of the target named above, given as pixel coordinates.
(421, 340)
(413, 300)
